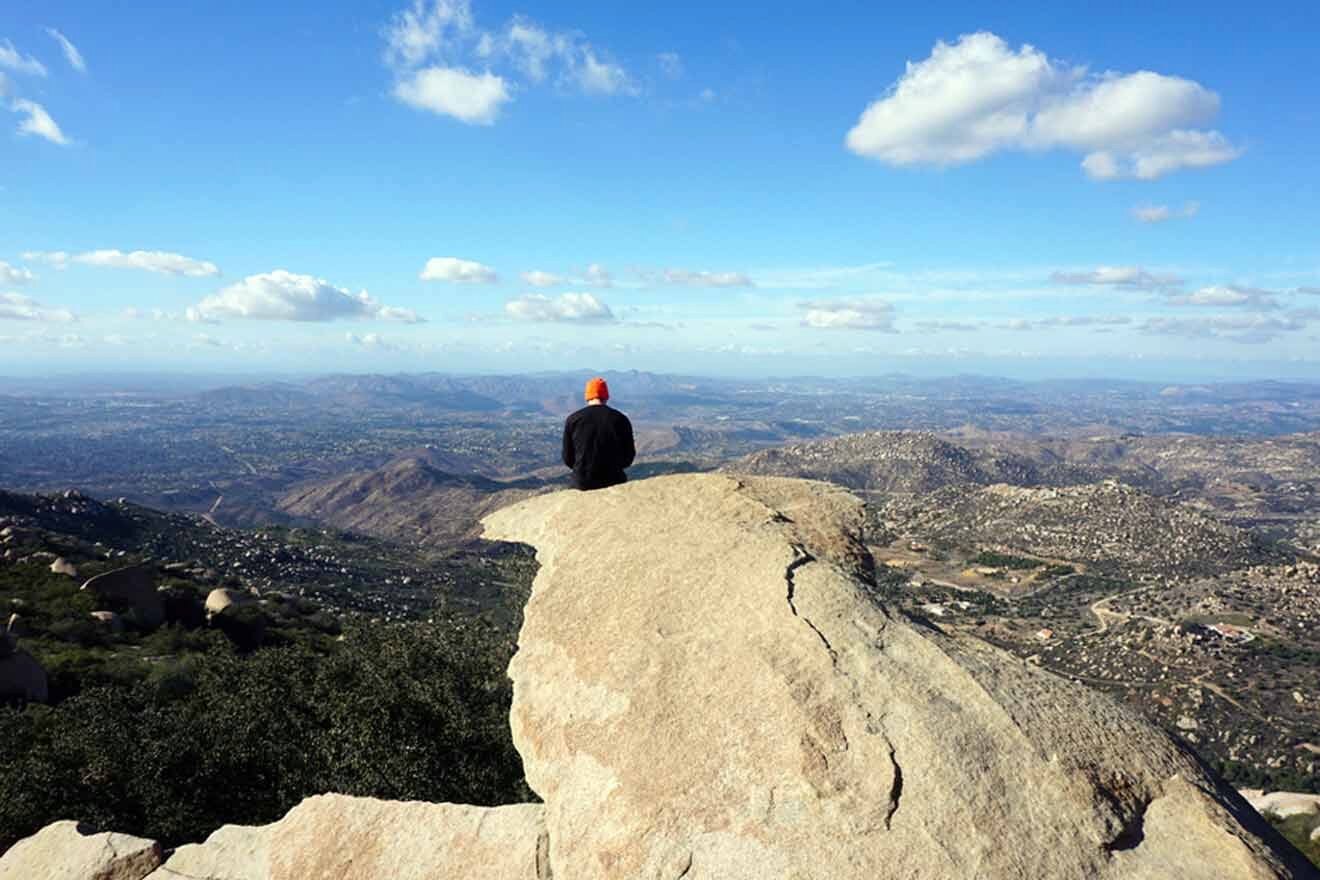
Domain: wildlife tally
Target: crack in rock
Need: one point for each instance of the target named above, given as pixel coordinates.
(800, 558)
(543, 869)
(896, 789)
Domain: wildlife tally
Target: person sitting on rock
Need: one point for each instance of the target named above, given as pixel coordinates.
(598, 441)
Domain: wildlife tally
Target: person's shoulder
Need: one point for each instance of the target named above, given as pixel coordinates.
(620, 415)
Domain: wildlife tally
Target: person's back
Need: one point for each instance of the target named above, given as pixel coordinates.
(598, 441)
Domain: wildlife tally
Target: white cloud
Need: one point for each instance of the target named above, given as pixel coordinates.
(537, 278)
(373, 341)
(1118, 276)
(71, 53)
(945, 326)
(285, 296)
(15, 274)
(38, 122)
(422, 30)
(432, 46)
(978, 96)
(596, 76)
(1067, 321)
(849, 313)
(1163, 155)
(705, 279)
(1247, 329)
(584, 307)
(539, 54)
(1163, 213)
(160, 262)
(1152, 213)
(58, 259)
(19, 63)
(1227, 295)
(16, 307)
(458, 271)
(598, 276)
(670, 64)
(448, 91)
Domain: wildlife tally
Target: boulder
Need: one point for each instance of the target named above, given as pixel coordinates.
(133, 589)
(339, 836)
(70, 851)
(232, 852)
(349, 837)
(220, 600)
(706, 687)
(21, 676)
(64, 566)
(111, 620)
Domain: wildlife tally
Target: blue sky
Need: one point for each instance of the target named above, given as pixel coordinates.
(1048, 189)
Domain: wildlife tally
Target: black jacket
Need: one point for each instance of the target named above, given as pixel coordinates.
(598, 445)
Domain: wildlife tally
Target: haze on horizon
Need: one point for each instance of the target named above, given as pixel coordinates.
(460, 185)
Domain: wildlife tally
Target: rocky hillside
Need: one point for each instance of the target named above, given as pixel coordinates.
(901, 461)
(407, 500)
(783, 724)
(1106, 523)
(1271, 484)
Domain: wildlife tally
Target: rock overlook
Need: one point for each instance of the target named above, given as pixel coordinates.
(706, 688)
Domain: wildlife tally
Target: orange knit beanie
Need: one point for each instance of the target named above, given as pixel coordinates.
(597, 389)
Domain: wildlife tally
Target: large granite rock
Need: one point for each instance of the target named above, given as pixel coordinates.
(68, 851)
(351, 838)
(22, 678)
(705, 688)
(133, 588)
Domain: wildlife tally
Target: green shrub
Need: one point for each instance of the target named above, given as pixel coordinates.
(173, 749)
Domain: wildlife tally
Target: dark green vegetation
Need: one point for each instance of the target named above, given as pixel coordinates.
(407, 712)
(170, 731)
(1005, 560)
(1298, 831)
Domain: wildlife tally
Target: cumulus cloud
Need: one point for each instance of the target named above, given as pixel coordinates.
(457, 271)
(472, 98)
(38, 122)
(705, 279)
(1246, 329)
(575, 307)
(1163, 213)
(1117, 276)
(16, 307)
(537, 278)
(16, 61)
(434, 46)
(71, 53)
(849, 313)
(285, 296)
(978, 96)
(159, 262)
(15, 274)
